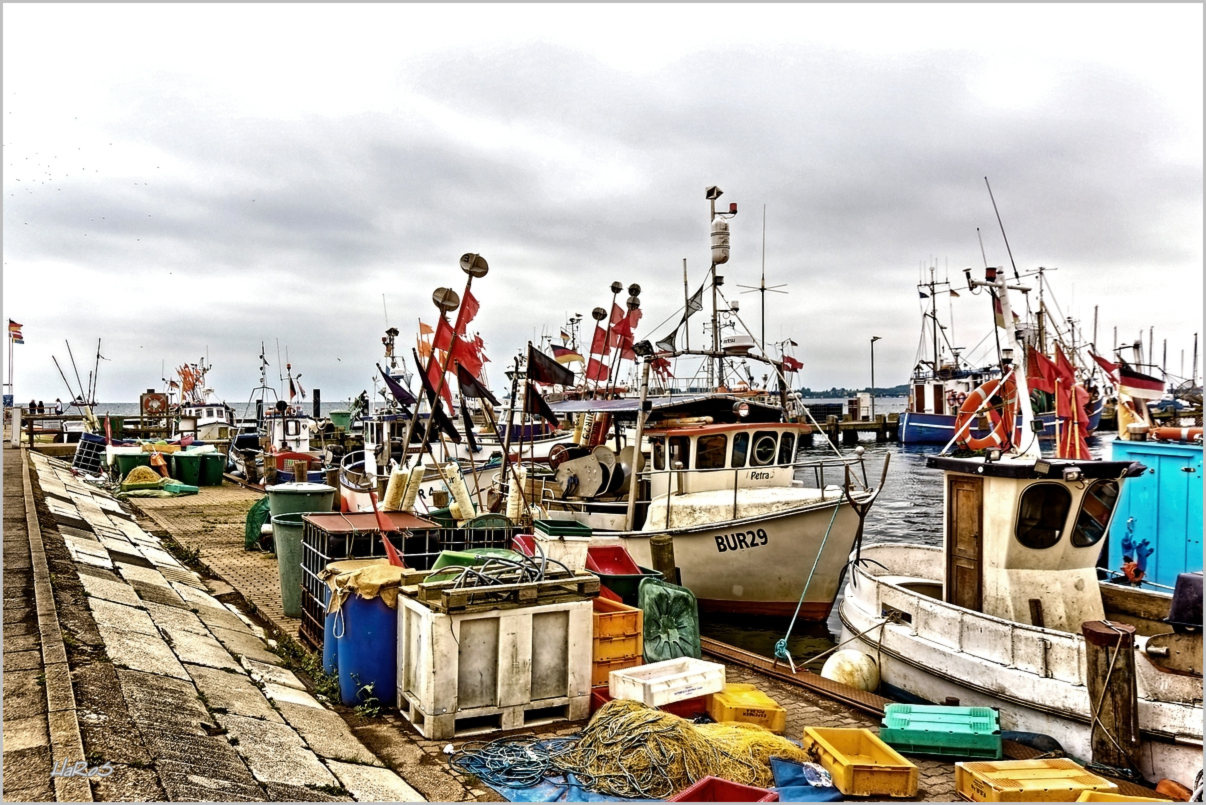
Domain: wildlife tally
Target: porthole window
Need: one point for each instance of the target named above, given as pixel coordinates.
(787, 448)
(741, 449)
(765, 444)
(1095, 511)
(1042, 512)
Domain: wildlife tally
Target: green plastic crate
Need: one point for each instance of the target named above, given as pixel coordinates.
(950, 732)
(562, 528)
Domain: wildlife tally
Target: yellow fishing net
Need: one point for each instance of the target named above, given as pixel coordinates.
(142, 475)
(630, 750)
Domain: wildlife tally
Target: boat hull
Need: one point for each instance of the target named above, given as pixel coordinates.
(1035, 677)
(915, 428)
(760, 565)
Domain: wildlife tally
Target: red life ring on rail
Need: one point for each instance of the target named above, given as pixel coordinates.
(1002, 421)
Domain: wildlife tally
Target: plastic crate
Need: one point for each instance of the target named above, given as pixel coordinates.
(688, 708)
(562, 528)
(89, 454)
(860, 763)
(612, 560)
(568, 550)
(748, 705)
(952, 732)
(668, 681)
(328, 538)
(1047, 780)
(714, 789)
(1105, 796)
(618, 631)
(600, 673)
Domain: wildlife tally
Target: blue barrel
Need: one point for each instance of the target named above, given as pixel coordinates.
(330, 653)
(368, 651)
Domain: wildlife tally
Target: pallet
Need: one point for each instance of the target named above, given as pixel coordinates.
(443, 597)
(489, 720)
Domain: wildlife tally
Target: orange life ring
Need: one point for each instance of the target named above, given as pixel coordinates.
(1002, 421)
(1167, 434)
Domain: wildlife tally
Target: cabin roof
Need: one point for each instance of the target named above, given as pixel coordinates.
(702, 430)
(718, 406)
(1010, 468)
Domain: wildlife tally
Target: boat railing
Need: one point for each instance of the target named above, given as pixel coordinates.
(675, 474)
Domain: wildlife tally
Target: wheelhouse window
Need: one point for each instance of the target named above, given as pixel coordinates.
(787, 448)
(710, 452)
(292, 427)
(741, 448)
(1042, 512)
(1095, 511)
(659, 453)
(765, 444)
(680, 450)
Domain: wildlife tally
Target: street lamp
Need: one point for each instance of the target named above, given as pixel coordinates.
(874, 338)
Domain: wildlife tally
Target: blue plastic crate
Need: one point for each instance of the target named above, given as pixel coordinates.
(950, 732)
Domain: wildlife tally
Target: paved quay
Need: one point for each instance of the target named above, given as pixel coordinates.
(212, 523)
(120, 657)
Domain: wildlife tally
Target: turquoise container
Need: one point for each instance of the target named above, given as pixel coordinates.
(1162, 506)
(367, 651)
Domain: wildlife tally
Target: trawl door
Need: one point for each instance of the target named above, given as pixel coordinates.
(964, 541)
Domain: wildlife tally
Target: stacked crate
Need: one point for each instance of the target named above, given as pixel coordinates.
(618, 640)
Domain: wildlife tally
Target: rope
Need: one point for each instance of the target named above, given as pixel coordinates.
(781, 652)
(521, 761)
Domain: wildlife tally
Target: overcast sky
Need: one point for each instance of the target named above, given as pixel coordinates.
(183, 180)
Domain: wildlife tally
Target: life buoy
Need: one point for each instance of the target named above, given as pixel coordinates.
(952, 399)
(962, 398)
(1002, 421)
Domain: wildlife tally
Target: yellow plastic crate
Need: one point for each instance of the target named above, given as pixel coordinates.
(747, 704)
(1047, 780)
(1105, 796)
(860, 763)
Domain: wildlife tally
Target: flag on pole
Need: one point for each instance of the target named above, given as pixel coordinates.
(442, 420)
(597, 371)
(533, 403)
(425, 329)
(1111, 369)
(695, 303)
(566, 355)
(1041, 372)
(401, 394)
(469, 308)
(1139, 385)
(790, 364)
(14, 332)
(543, 369)
(472, 387)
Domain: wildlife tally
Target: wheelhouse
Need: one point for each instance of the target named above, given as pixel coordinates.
(727, 456)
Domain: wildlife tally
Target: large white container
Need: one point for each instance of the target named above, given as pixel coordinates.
(569, 551)
(503, 669)
(668, 681)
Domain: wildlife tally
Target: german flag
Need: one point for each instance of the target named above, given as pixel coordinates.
(1138, 385)
(565, 355)
(14, 332)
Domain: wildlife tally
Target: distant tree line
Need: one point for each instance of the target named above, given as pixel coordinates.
(844, 393)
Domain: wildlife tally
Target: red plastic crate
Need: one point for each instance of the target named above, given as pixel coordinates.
(714, 789)
(524, 543)
(688, 708)
(613, 560)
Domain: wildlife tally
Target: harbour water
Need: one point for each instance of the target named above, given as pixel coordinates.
(909, 509)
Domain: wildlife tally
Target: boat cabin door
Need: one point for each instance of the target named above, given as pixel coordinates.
(964, 541)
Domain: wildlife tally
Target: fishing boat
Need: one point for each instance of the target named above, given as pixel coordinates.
(754, 530)
(942, 379)
(998, 615)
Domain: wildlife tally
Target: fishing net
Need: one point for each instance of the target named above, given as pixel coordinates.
(630, 750)
(253, 536)
(142, 475)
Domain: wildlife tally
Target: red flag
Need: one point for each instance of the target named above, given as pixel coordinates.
(469, 308)
(1067, 373)
(1042, 372)
(598, 344)
(790, 364)
(619, 323)
(433, 375)
(597, 371)
(443, 335)
(425, 329)
(661, 366)
(1111, 369)
(465, 353)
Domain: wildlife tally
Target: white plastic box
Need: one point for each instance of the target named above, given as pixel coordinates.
(569, 551)
(667, 682)
(503, 669)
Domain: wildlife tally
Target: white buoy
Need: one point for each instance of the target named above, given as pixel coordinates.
(853, 668)
(413, 483)
(514, 501)
(395, 490)
(460, 493)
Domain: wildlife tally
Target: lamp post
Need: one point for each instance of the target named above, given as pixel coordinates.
(874, 338)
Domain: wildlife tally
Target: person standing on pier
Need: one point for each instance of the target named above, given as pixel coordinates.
(58, 406)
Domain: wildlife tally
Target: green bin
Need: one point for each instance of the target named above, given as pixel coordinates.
(186, 468)
(212, 467)
(126, 463)
(287, 539)
(341, 419)
(300, 496)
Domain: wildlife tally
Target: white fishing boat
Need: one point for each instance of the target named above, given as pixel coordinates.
(998, 616)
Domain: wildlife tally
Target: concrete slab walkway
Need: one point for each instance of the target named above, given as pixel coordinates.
(163, 669)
